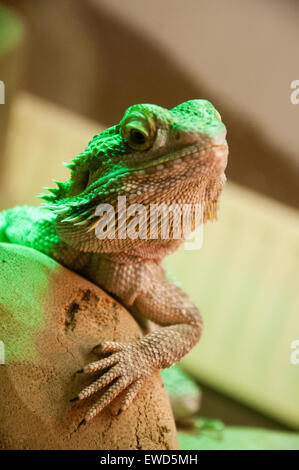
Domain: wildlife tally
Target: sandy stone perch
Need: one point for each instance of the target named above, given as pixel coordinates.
(50, 319)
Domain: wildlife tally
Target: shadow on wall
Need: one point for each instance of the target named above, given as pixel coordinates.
(83, 58)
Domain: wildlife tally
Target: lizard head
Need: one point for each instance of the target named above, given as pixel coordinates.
(153, 156)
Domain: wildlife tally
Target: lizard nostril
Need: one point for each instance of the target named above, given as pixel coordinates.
(177, 135)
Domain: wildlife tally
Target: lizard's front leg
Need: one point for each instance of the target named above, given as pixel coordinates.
(129, 365)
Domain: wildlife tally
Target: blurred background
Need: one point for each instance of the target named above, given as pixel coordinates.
(71, 67)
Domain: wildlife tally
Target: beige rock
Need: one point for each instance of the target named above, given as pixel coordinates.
(50, 319)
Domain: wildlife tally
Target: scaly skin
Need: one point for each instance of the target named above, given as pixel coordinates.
(153, 156)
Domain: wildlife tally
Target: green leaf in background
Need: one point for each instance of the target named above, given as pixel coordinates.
(183, 391)
(11, 30)
(237, 438)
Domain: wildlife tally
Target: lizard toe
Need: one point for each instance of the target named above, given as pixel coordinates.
(102, 382)
(131, 394)
(107, 347)
(113, 391)
(99, 365)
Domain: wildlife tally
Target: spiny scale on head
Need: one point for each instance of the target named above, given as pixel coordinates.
(55, 193)
(76, 165)
(69, 165)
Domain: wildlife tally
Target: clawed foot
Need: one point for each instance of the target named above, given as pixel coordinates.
(128, 367)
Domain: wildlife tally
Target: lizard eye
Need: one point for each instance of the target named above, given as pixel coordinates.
(137, 137)
(139, 132)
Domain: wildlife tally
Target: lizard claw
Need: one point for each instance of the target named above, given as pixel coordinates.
(115, 389)
(126, 369)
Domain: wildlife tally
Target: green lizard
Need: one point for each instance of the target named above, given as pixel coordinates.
(153, 156)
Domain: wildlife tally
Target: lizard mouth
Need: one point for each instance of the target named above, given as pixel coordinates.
(81, 212)
(212, 156)
(215, 152)
(188, 159)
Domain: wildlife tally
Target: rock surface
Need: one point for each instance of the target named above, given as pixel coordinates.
(50, 319)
